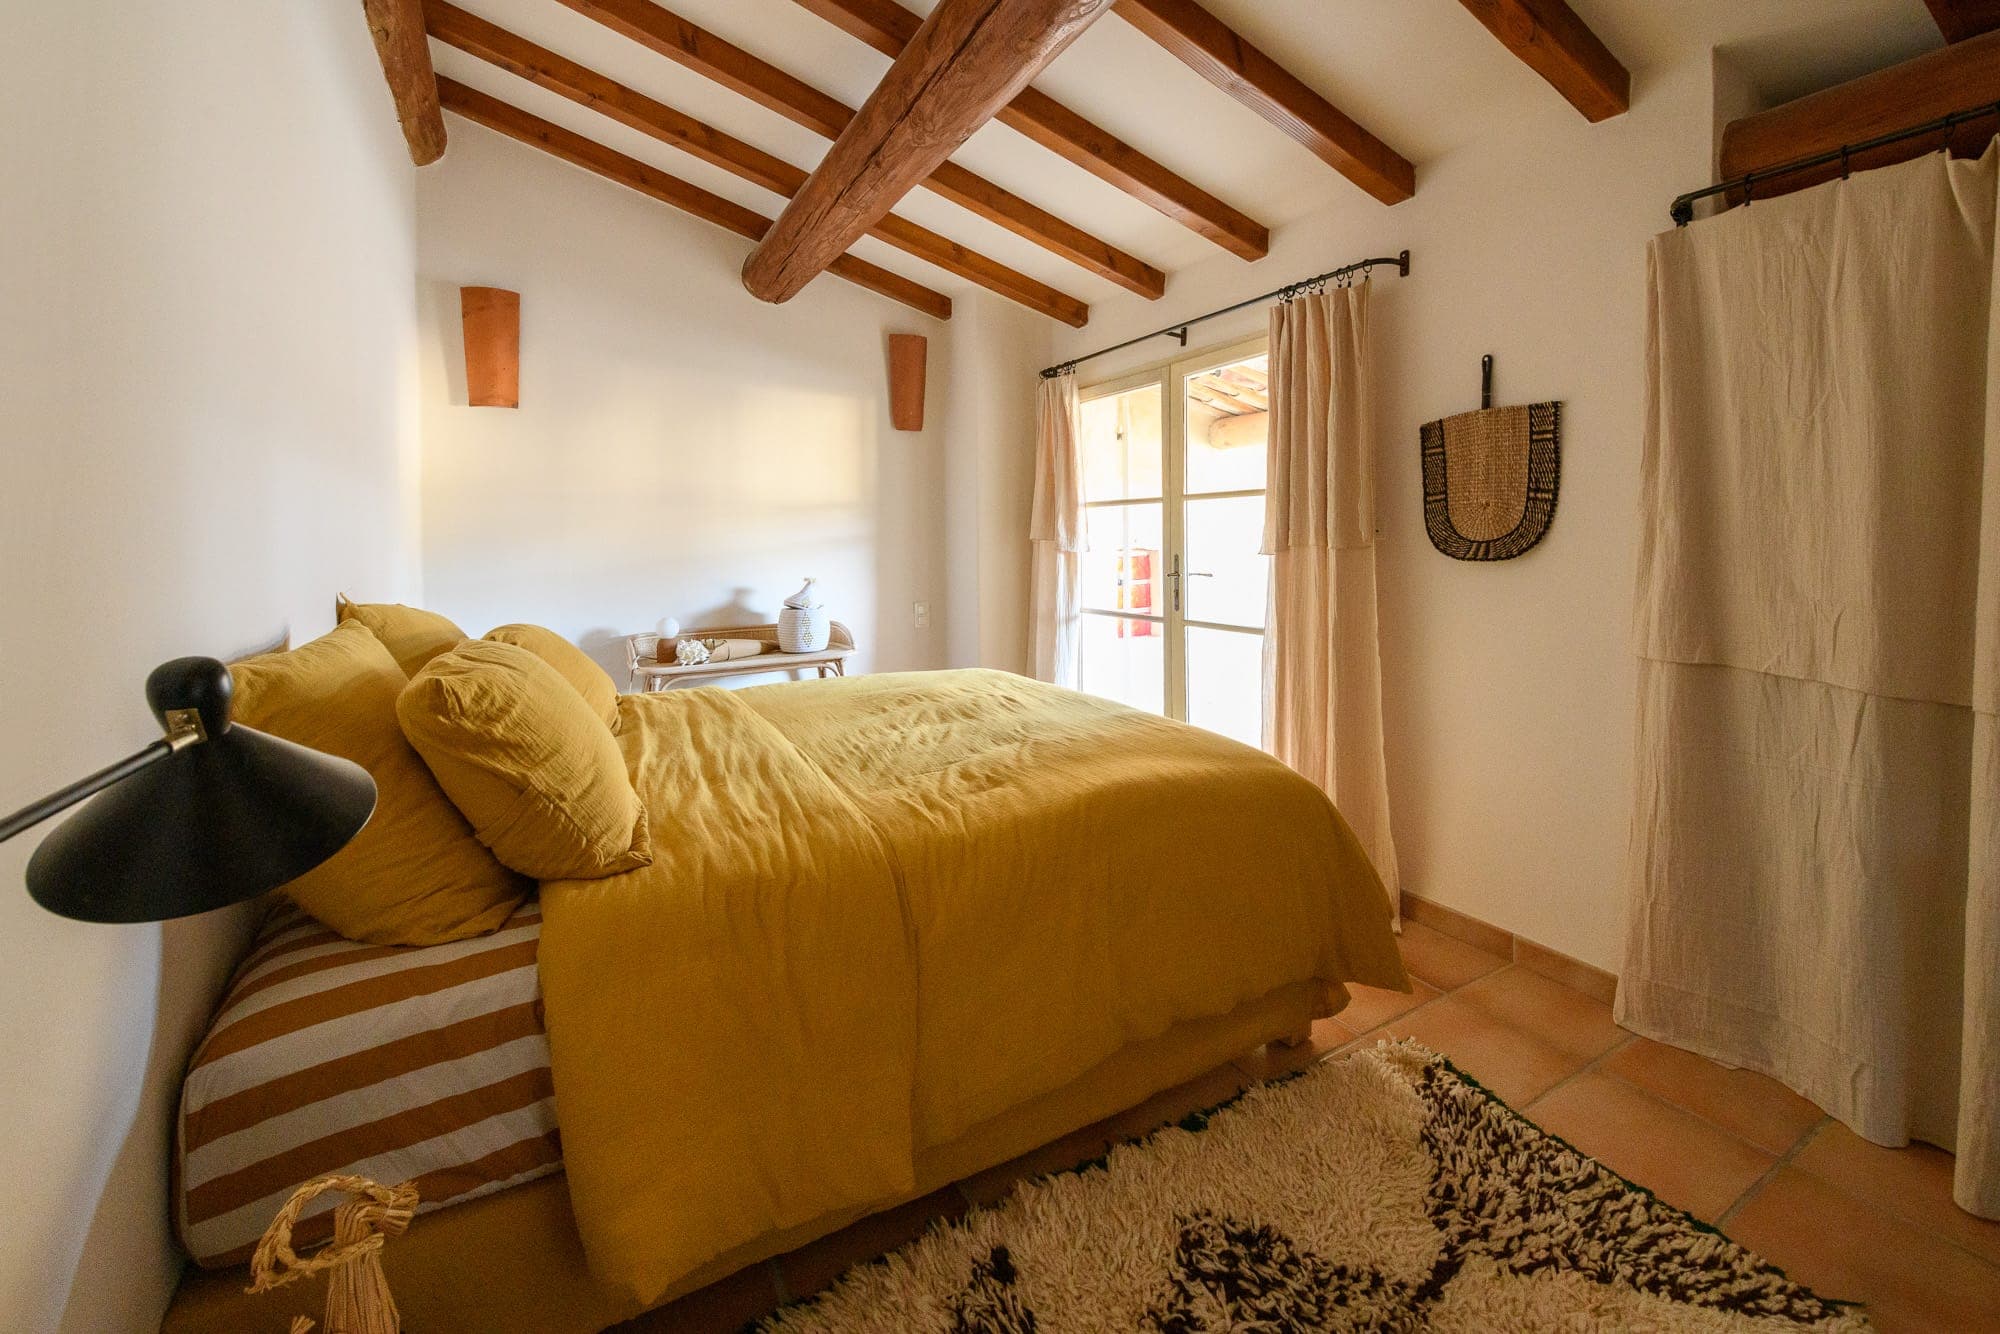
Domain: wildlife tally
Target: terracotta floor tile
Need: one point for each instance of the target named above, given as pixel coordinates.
(1372, 1007)
(1567, 1020)
(1841, 1247)
(1743, 1102)
(818, 1263)
(1443, 962)
(1913, 1183)
(725, 1305)
(1274, 1059)
(1675, 1154)
(1517, 1067)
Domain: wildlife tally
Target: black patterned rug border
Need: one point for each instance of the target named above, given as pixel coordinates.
(1195, 1122)
(1681, 1214)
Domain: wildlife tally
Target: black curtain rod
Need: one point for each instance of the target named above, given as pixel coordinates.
(1682, 210)
(1285, 293)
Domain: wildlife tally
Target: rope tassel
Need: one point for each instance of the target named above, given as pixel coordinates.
(357, 1293)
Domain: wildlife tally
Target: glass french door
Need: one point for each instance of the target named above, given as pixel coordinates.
(1173, 588)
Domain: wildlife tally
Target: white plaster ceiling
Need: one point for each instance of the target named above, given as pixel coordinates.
(1422, 75)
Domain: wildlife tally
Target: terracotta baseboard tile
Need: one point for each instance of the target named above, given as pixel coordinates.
(1453, 923)
(1575, 974)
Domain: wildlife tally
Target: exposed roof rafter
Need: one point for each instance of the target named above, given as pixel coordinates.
(888, 27)
(398, 29)
(966, 62)
(519, 56)
(668, 34)
(1212, 49)
(573, 148)
(1552, 41)
(1960, 19)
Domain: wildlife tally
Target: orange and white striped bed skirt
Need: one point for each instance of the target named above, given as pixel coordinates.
(427, 1064)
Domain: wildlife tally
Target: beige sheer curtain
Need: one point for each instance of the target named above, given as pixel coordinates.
(1323, 665)
(1056, 529)
(1816, 830)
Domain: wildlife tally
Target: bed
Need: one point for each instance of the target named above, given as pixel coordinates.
(896, 929)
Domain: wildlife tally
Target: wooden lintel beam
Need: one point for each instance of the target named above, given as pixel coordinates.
(1212, 49)
(545, 68)
(398, 29)
(1962, 77)
(1961, 19)
(966, 62)
(888, 27)
(668, 34)
(648, 180)
(1553, 42)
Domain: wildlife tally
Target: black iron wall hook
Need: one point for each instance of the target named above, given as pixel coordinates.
(1486, 381)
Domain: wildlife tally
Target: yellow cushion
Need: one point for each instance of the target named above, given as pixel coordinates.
(412, 635)
(592, 682)
(540, 776)
(414, 875)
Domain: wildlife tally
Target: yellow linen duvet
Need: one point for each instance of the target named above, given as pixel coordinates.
(884, 909)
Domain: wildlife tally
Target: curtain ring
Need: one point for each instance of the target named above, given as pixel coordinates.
(1846, 168)
(1749, 188)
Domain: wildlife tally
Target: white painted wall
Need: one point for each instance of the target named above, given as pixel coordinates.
(990, 425)
(681, 449)
(207, 361)
(1508, 686)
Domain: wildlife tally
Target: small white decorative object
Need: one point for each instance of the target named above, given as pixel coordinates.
(670, 628)
(803, 625)
(690, 653)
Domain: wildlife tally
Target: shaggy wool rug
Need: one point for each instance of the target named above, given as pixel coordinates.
(1382, 1192)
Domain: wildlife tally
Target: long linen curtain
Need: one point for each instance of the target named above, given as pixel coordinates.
(1056, 530)
(1816, 830)
(1323, 664)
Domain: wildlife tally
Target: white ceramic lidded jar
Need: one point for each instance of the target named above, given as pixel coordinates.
(803, 626)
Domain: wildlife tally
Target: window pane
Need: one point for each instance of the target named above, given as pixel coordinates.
(1121, 445)
(1226, 578)
(1123, 659)
(1121, 567)
(1225, 683)
(1227, 423)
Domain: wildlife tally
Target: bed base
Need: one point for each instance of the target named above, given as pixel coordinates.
(513, 1261)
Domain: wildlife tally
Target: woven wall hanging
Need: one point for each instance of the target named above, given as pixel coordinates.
(1490, 480)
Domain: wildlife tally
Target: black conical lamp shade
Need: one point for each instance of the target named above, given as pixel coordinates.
(214, 814)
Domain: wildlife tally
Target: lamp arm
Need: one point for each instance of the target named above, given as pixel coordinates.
(182, 730)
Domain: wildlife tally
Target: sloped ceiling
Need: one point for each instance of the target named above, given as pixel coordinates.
(1423, 75)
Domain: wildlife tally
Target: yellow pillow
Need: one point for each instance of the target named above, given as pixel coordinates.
(520, 753)
(592, 682)
(412, 635)
(414, 875)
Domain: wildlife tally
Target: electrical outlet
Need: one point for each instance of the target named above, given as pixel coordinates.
(920, 615)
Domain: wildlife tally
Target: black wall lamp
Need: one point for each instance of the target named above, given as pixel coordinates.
(211, 814)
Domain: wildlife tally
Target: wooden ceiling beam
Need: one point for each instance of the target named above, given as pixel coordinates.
(1960, 19)
(1553, 42)
(1212, 49)
(398, 29)
(684, 195)
(1924, 88)
(966, 62)
(668, 34)
(544, 68)
(888, 27)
